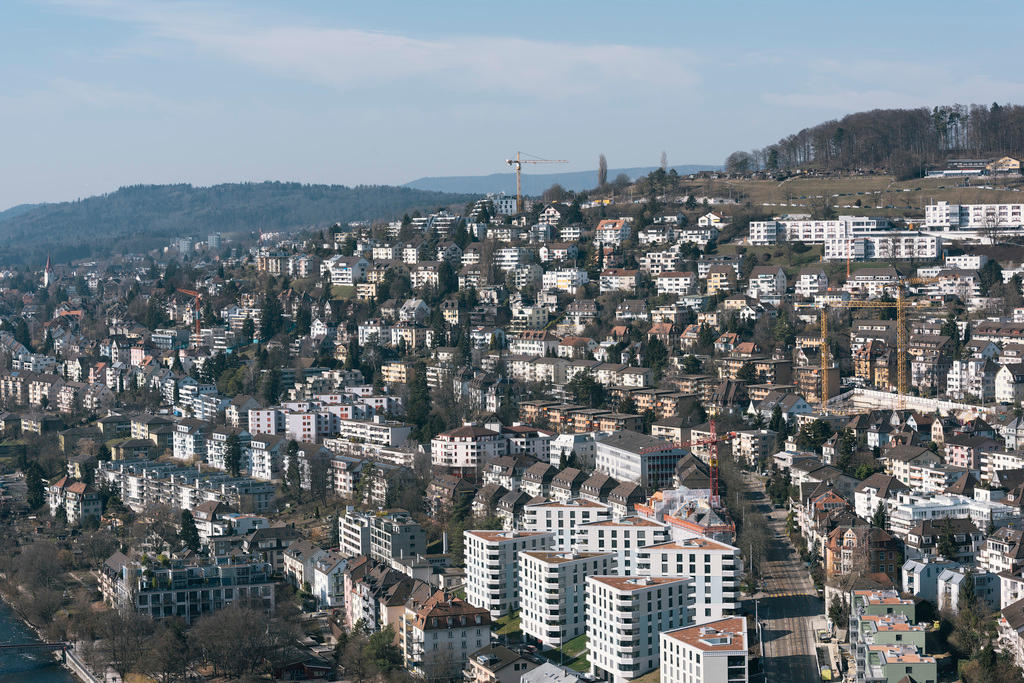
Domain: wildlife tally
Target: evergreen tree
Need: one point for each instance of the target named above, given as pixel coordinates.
(293, 478)
(36, 490)
(747, 373)
(248, 331)
(879, 519)
(303, 320)
(189, 534)
(628, 405)
(233, 455)
(776, 423)
(271, 386)
(418, 411)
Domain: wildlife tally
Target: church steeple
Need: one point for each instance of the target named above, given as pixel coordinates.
(47, 273)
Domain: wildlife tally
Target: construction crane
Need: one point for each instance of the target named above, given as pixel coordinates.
(711, 442)
(517, 165)
(196, 315)
(902, 337)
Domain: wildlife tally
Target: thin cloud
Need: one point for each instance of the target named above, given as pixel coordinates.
(346, 58)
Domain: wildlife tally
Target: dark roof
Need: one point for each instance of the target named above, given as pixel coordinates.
(887, 485)
(1014, 614)
(496, 656)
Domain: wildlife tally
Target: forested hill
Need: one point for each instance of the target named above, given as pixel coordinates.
(143, 217)
(902, 141)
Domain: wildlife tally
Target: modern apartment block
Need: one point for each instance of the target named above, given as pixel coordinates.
(183, 589)
(492, 563)
(623, 537)
(562, 519)
(553, 597)
(886, 641)
(715, 652)
(715, 568)
(382, 537)
(625, 616)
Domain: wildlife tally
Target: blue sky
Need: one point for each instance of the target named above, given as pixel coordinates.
(102, 93)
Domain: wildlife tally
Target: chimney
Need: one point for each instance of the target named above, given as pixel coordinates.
(444, 542)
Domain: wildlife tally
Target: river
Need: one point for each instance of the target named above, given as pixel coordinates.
(39, 667)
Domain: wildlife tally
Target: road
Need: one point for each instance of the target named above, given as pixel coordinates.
(788, 606)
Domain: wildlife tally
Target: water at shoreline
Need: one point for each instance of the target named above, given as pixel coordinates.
(38, 666)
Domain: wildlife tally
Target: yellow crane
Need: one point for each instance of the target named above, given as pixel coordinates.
(517, 166)
(902, 337)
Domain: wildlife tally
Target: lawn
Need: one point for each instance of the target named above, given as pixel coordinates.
(572, 654)
(343, 291)
(508, 624)
(652, 677)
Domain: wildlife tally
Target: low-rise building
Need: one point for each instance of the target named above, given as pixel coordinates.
(715, 652)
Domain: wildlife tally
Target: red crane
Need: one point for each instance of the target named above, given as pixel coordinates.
(197, 315)
(711, 442)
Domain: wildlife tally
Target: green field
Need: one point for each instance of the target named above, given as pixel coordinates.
(874, 192)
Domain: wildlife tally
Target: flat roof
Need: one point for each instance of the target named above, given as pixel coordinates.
(724, 635)
(635, 583)
(561, 556)
(498, 535)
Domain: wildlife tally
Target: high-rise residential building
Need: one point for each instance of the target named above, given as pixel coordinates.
(625, 616)
(552, 605)
(715, 568)
(623, 537)
(562, 519)
(492, 563)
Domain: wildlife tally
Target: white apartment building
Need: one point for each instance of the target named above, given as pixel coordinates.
(810, 231)
(884, 246)
(810, 282)
(624, 538)
(552, 609)
(612, 231)
(562, 519)
(492, 564)
(907, 509)
(565, 279)
(266, 421)
(945, 216)
(715, 568)
(676, 282)
(766, 281)
(715, 652)
(974, 377)
(625, 616)
(618, 280)
(465, 448)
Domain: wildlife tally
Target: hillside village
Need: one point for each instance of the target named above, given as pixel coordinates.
(638, 433)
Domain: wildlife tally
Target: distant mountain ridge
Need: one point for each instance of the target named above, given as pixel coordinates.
(536, 183)
(144, 217)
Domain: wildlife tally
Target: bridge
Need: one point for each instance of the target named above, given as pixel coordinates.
(15, 648)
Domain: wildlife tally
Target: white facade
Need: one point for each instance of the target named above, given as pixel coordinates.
(466, 447)
(492, 563)
(562, 519)
(553, 597)
(565, 279)
(625, 616)
(946, 216)
(624, 537)
(714, 567)
(713, 653)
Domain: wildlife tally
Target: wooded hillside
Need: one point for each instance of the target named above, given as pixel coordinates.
(143, 217)
(901, 141)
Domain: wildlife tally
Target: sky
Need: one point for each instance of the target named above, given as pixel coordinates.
(97, 94)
